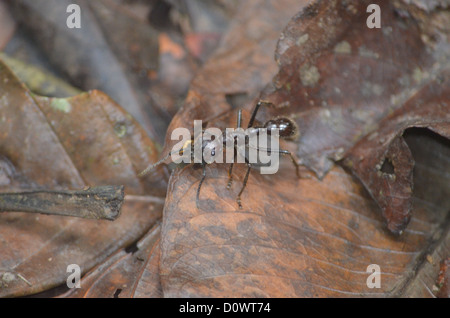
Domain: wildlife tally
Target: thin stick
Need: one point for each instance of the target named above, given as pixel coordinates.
(93, 203)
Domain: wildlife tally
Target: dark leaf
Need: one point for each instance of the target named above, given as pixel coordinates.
(68, 143)
(130, 272)
(353, 91)
(106, 53)
(306, 238)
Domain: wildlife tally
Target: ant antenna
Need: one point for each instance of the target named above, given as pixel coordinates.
(153, 165)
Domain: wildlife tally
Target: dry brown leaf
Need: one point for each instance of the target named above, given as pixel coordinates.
(239, 68)
(353, 91)
(68, 143)
(107, 54)
(294, 237)
(306, 238)
(130, 272)
(309, 237)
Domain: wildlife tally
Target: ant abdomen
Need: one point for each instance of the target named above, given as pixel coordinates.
(285, 126)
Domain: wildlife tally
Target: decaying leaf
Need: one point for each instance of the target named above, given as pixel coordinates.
(53, 143)
(130, 272)
(93, 58)
(8, 25)
(443, 279)
(375, 100)
(239, 68)
(353, 91)
(306, 238)
(37, 80)
(341, 82)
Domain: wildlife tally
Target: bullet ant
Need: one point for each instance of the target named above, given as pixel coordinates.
(286, 128)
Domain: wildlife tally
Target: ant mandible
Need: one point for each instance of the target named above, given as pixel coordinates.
(286, 129)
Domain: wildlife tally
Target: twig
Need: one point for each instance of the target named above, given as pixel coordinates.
(91, 203)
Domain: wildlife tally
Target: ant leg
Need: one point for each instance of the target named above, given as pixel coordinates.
(200, 184)
(153, 165)
(238, 199)
(230, 176)
(285, 152)
(230, 171)
(239, 119)
(255, 111)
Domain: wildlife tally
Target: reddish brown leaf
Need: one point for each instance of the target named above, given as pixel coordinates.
(68, 143)
(130, 272)
(394, 186)
(7, 25)
(309, 237)
(443, 279)
(353, 91)
(306, 238)
(107, 54)
(240, 67)
(294, 237)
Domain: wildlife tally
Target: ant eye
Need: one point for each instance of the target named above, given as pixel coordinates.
(213, 152)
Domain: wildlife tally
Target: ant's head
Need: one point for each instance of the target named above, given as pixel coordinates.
(285, 126)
